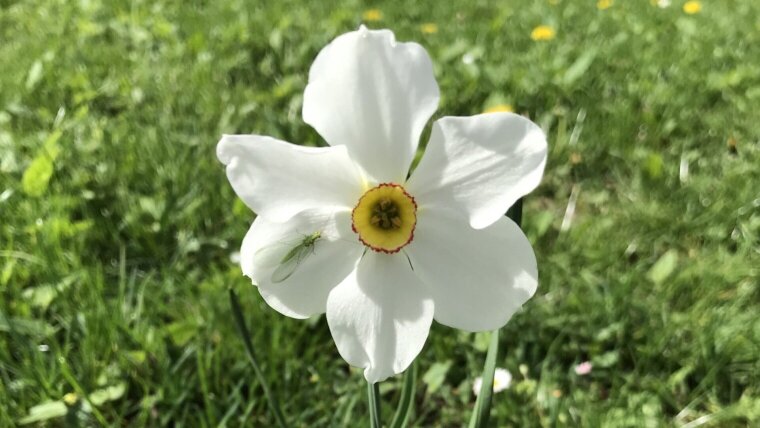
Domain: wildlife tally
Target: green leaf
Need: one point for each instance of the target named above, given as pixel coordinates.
(181, 332)
(44, 411)
(679, 376)
(435, 375)
(481, 341)
(579, 67)
(40, 297)
(43, 295)
(609, 332)
(482, 411)
(664, 267)
(111, 393)
(653, 166)
(7, 272)
(542, 222)
(404, 410)
(27, 326)
(137, 357)
(37, 175)
(34, 76)
(608, 359)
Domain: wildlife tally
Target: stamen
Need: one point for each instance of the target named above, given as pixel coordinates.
(385, 214)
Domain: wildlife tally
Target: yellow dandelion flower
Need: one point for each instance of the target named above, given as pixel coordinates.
(429, 28)
(372, 15)
(71, 398)
(603, 4)
(542, 32)
(692, 7)
(499, 108)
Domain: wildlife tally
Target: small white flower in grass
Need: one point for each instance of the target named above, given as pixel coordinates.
(502, 378)
(342, 230)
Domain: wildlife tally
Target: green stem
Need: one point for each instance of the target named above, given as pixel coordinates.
(482, 411)
(373, 392)
(404, 410)
(237, 313)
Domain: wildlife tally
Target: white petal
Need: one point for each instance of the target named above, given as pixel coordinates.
(479, 165)
(502, 378)
(278, 179)
(333, 257)
(478, 277)
(380, 315)
(374, 95)
(477, 385)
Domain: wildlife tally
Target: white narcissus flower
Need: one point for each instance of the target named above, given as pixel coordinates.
(342, 230)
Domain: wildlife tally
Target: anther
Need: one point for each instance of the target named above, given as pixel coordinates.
(385, 215)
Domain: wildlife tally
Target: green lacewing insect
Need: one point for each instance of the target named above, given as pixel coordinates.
(289, 262)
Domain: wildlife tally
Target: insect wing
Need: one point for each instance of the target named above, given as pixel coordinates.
(288, 266)
(285, 258)
(270, 255)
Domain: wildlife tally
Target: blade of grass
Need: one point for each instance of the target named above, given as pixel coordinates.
(343, 416)
(202, 378)
(404, 410)
(482, 411)
(237, 313)
(373, 393)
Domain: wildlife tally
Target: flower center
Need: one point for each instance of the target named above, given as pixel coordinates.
(385, 214)
(385, 218)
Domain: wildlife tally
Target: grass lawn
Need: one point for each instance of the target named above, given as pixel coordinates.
(118, 227)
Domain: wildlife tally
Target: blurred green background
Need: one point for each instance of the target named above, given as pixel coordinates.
(118, 227)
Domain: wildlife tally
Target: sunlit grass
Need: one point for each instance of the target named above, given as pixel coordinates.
(117, 223)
